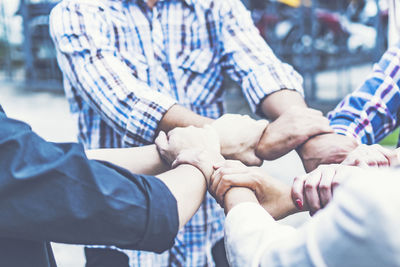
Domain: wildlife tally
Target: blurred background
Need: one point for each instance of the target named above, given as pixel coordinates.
(323, 39)
(332, 43)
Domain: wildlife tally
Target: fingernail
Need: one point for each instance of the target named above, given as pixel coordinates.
(299, 204)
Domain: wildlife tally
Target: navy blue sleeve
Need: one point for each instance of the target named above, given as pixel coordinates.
(53, 192)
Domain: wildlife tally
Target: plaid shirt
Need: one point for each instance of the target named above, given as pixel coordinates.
(125, 65)
(372, 111)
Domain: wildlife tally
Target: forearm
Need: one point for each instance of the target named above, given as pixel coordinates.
(325, 149)
(277, 103)
(282, 207)
(178, 116)
(278, 209)
(188, 185)
(142, 160)
(53, 181)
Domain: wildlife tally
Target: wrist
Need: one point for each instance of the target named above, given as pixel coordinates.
(278, 202)
(203, 160)
(287, 207)
(237, 195)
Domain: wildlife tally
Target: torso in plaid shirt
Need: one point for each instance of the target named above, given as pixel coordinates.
(125, 65)
(373, 110)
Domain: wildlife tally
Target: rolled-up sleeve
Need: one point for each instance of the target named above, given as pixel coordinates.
(249, 60)
(372, 111)
(86, 45)
(53, 192)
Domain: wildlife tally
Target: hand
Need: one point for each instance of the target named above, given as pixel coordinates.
(314, 190)
(239, 136)
(272, 194)
(290, 130)
(371, 155)
(195, 146)
(325, 149)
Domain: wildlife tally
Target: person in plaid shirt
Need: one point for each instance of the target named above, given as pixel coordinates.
(132, 68)
(360, 120)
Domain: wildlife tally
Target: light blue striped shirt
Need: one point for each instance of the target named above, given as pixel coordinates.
(125, 65)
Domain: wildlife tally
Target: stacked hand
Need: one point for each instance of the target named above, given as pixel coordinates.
(271, 193)
(371, 156)
(314, 190)
(199, 147)
(239, 136)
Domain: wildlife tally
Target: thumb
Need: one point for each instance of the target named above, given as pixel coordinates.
(251, 159)
(161, 141)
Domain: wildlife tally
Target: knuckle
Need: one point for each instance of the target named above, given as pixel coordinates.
(309, 186)
(324, 187)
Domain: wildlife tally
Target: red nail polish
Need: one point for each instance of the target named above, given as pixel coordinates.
(299, 204)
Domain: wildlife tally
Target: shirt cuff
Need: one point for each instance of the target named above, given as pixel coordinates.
(342, 126)
(260, 83)
(145, 118)
(244, 227)
(251, 233)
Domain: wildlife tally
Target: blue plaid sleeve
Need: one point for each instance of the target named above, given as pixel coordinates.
(372, 111)
(249, 60)
(85, 41)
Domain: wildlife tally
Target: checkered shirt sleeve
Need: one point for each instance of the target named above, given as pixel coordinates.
(250, 61)
(372, 111)
(102, 77)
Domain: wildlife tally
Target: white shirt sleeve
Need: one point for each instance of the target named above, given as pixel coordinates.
(249, 230)
(358, 228)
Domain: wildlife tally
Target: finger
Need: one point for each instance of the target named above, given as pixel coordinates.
(179, 161)
(362, 163)
(218, 165)
(372, 162)
(176, 163)
(185, 157)
(234, 180)
(394, 158)
(161, 141)
(172, 132)
(298, 191)
(350, 160)
(386, 152)
(222, 188)
(382, 154)
(325, 191)
(215, 180)
(311, 190)
(381, 160)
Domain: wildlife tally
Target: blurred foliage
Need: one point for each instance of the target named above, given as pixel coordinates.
(392, 139)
